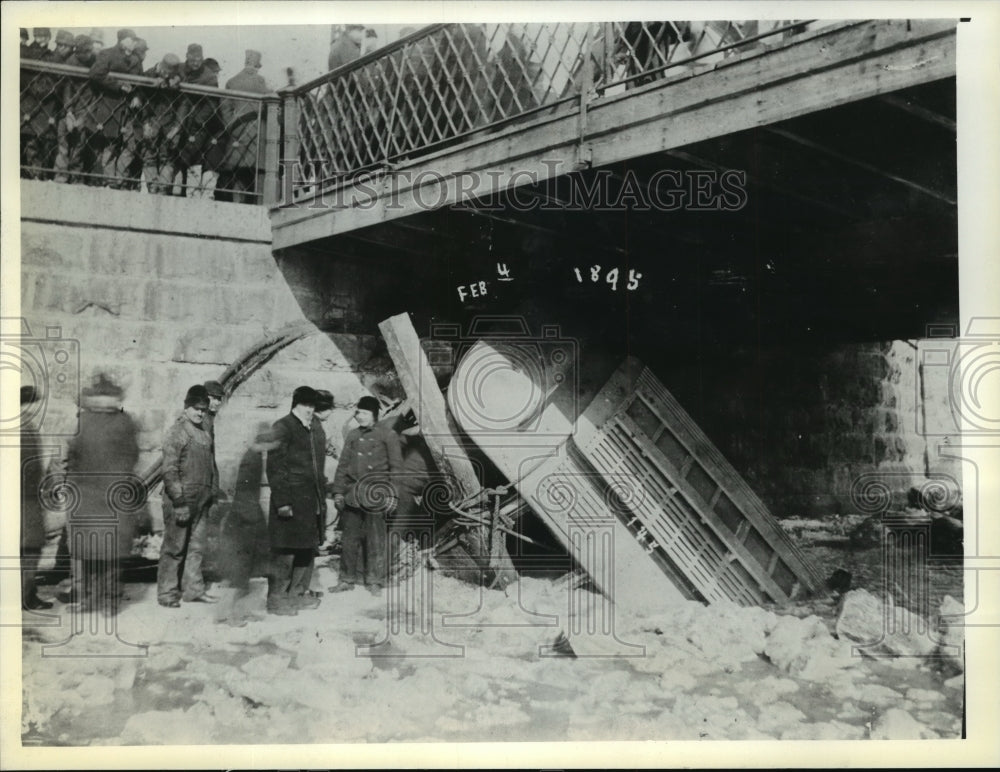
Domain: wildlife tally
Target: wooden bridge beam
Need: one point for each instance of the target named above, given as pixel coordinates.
(816, 71)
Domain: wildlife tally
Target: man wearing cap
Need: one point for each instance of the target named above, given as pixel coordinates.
(100, 456)
(160, 129)
(25, 48)
(364, 492)
(77, 100)
(347, 47)
(39, 48)
(243, 161)
(188, 482)
(64, 47)
(40, 106)
(298, 499)
(108, 122)
(194, 113)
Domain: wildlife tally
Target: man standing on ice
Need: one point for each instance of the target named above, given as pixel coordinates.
(364, 491)
(298, 501)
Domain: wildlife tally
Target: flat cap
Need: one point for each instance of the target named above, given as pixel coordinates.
(194, 49)
(64, 38)
(126, 33)
(44, 32)
(253, 58)
(214, 389)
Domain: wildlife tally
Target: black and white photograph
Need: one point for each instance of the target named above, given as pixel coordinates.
(434, 378)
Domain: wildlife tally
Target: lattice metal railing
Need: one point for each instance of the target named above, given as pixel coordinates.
(156, 136)
(448, 82)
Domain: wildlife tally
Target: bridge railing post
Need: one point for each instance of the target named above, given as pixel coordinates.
(272, 151)
(290, 143)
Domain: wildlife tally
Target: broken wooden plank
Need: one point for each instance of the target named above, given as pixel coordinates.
(428, 402)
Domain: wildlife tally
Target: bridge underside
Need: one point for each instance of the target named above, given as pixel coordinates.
(847, 231)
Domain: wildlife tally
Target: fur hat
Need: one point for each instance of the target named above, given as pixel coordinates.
(324, 400)
(196, 396)
(304, 395)
(370, 404)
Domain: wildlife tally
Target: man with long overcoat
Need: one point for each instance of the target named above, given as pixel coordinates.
(109, 122)
(100, 459)
(298, 502)
(364, 491)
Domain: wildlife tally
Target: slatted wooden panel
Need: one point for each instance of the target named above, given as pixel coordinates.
(701, 513)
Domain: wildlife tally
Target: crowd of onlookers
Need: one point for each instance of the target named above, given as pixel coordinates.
(382, 469)
(158, 138)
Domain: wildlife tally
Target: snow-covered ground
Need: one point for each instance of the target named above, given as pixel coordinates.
(474, 669)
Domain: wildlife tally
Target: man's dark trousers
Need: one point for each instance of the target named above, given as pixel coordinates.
(363, 545)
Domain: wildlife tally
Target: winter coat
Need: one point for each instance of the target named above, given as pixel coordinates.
(109, 112)
(243, 150)
(32, 472)
(188, 466)
(200, 116)
(295, 474)
(100, 463)
(370, 459)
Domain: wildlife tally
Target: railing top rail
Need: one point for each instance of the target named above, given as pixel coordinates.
(142, 80)
(372, 56)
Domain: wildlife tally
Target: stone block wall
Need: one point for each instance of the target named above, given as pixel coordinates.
(811, 429)
(163, 293)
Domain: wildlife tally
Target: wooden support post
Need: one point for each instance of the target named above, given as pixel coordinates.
(428, 402)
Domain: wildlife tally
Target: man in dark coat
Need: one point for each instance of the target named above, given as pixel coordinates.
(298, 501)
(73, 154)
(39, 48)
(347, 47)
(160, 126)
(196, 115)
(64, 47)
(101, 456)
(108, 123)
(365, 494)
(40, 107)
(324, 406)
(32, 514)
(188, 482)
(243, 161)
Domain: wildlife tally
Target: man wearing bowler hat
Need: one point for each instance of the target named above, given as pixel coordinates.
(298, 500)
(364, 492)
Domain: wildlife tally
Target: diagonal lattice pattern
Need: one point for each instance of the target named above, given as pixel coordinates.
(448, 82)
(158, 137)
